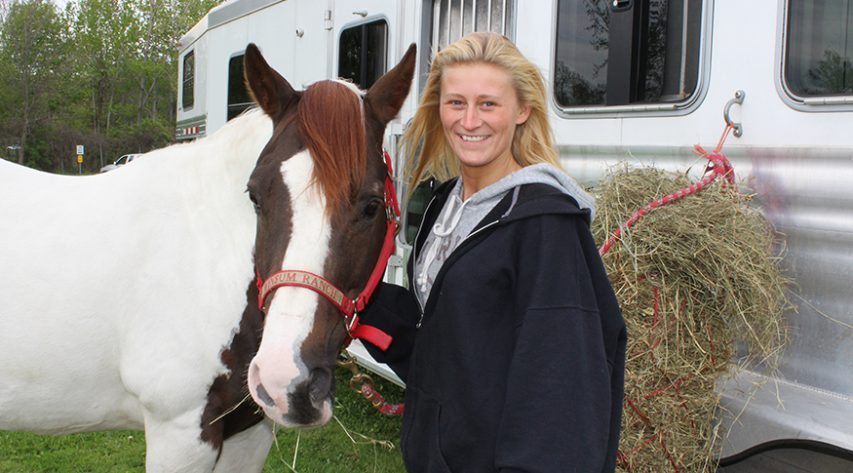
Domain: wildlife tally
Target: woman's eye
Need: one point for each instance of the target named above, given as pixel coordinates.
(488, 104)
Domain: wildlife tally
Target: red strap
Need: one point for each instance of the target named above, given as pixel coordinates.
(390, 193)
(370, 334)
(378, 270)
(366, 332)
(388, 246)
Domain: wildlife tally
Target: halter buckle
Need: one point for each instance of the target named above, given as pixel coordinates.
(352, 320)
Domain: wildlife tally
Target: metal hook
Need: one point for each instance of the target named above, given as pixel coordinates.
(737, 127)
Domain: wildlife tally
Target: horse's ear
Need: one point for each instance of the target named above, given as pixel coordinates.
(387, 95)
(267, 87)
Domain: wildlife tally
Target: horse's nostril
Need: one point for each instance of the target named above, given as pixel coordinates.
(260, 392)
(320, 384)
(264, 395)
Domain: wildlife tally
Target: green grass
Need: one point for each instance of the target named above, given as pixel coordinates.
(96, 452)
(360, 440)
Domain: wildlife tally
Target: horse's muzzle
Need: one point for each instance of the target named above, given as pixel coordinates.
(292, 402)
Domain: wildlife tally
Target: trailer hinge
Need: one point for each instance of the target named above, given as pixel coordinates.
(328, 20)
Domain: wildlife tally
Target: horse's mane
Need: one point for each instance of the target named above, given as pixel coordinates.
(330, 119)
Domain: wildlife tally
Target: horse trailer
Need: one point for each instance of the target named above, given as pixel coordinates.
(637, 81)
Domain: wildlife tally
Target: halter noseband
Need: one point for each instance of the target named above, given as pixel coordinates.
(350, 308)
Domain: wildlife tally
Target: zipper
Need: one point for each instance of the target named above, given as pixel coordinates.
(414, 263)
(449, 261)
(475, 232)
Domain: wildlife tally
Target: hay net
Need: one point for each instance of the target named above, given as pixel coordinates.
(693, 279)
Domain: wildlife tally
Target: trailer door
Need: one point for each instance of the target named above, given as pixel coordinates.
(363, 37)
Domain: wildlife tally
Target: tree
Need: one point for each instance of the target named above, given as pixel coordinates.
(127, 56)
(32, 44)
(101, 73)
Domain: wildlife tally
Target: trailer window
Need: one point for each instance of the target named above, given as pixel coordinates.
(238, 96)
(819, 48)
(188, 81)
(363, 52)
(626, 52)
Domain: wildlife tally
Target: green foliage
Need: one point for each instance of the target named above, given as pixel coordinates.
(32, 47)
(360, 440)
(101, 73)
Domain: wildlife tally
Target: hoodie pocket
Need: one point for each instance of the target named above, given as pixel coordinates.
(420, 439)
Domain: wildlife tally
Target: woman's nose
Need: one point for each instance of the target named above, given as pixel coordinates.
(471, 119)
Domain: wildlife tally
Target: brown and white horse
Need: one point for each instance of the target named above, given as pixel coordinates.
(131, 299)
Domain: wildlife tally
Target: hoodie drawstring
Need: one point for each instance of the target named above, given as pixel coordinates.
(448, 221)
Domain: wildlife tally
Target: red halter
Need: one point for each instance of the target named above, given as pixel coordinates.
(349, 307)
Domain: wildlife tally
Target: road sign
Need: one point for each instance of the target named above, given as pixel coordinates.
(80, 150)
(79, 159)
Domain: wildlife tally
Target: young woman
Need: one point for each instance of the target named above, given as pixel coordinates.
(509, 339)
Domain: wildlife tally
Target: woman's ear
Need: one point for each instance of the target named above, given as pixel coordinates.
(523, 115)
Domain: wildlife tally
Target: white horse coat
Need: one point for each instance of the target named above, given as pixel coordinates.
(108, 319)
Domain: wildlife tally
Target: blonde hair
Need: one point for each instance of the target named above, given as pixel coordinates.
(532, 143)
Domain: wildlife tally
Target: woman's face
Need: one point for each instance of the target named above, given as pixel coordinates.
(479, 111)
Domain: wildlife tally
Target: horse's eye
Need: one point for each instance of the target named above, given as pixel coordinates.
(371, 208)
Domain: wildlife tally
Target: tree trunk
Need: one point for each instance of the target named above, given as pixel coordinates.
(25, 126)
(140, 104)
(149, 94)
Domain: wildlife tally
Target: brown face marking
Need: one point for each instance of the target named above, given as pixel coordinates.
(272, 198)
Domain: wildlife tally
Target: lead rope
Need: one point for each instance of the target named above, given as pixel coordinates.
(719, 165)
(363, 384)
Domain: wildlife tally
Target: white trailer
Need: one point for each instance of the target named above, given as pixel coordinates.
(638, 81)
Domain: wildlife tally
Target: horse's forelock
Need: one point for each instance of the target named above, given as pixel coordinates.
(332, 125)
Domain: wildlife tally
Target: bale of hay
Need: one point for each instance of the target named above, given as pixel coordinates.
(693, 278)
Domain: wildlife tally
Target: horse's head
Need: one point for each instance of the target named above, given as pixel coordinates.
(319, 193)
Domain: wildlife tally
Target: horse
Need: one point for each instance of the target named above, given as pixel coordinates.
(136, 299)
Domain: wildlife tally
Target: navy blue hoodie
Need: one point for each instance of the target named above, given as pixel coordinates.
(516, 363)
